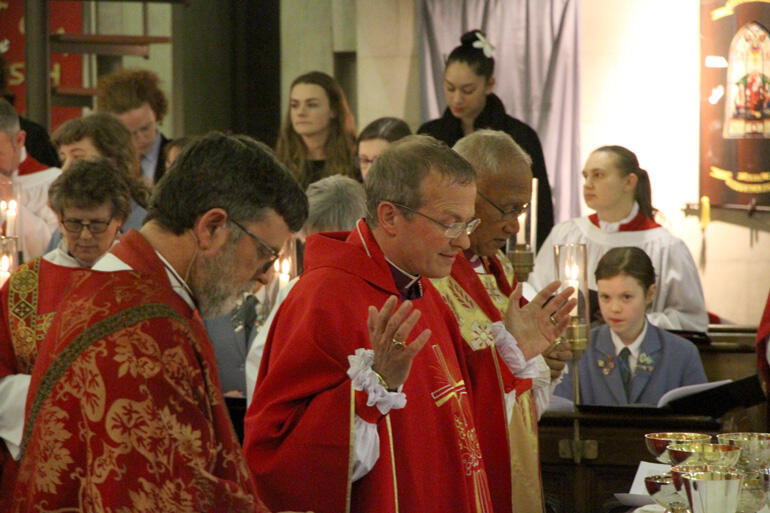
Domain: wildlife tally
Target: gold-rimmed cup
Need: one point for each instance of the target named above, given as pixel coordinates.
(657, 442)
(755, 449)
(703, 452)
(661, 489)
(712, 491)
(677, 471)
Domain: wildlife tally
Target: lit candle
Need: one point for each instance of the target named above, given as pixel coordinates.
(5, 269)
(284, 277)
(572, 273)
(521, 235)
(10, 219)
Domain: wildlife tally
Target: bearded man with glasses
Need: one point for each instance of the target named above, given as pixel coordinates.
(127, 379)
(364, 382)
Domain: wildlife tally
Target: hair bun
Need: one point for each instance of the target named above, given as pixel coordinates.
(470, 37)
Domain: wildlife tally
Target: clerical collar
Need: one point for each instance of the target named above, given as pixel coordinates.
(615, 227)
(407, 284)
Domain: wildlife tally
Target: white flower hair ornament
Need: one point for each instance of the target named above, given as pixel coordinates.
(483, 43)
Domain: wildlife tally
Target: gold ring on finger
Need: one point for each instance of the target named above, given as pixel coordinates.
(398, 344)
(553, 320)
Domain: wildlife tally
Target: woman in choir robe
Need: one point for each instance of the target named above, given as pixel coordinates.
(629, 360)
(471, 105)
(91, 200)
(317, 138)
(375, 137)
(619, 191)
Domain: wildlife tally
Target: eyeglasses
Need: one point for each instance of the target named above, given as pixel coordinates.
(274, 254)
(77, 225)
(515, 211)
(453, 230)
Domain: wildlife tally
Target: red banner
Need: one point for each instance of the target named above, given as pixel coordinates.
(66, 69)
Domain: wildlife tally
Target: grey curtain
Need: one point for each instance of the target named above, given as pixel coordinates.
(537, 73)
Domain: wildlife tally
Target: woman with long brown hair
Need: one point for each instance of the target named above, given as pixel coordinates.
(318, 136)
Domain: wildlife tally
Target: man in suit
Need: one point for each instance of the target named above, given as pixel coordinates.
(135, 98)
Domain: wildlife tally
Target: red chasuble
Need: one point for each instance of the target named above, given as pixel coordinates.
(28, 301)
(125, 411)
(763, 333)
(299, 427)
(510, 446)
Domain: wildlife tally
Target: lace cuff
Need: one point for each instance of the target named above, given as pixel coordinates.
(509, 351)
(364, 378)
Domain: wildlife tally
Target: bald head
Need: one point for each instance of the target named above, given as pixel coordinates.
(504, 181)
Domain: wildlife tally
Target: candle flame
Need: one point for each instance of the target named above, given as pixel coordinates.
(5, 264)
(285, 266)
(277, 266)
(572, 272)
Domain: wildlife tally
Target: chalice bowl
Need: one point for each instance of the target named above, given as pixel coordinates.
(703, 452)
(713, 491)
(657, 442)
(661, 489)
(677, 471)
(753, 494)
(755, 449)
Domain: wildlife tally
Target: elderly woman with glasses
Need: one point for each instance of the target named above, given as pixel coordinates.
(91, 200)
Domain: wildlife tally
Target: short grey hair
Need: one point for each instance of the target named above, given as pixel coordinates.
(9, 118)
(336, 203)
(399, 171)
(491, 151)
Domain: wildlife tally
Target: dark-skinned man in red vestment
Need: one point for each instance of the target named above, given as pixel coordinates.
(363, 383)
(125, 410)
(513, 377)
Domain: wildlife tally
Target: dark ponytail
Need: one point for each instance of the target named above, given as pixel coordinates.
(473, 56)
(627, 163)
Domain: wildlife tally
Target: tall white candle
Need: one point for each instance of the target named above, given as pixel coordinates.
(10, 219)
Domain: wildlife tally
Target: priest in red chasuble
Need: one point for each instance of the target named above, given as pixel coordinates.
(511, 375)
(125, 411)
(364, 384)
(91, 202)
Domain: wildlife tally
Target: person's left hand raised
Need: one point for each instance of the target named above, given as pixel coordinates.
(537, 324)
(389, 329)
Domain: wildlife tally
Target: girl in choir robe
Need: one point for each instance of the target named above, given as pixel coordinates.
(317, 137)
(91, 200)
(619, 191)
(471, 105)
(629, 360)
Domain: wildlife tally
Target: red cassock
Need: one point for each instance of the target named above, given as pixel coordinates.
(299, 427)
(28, 301)
(763, 333)
(125, 411)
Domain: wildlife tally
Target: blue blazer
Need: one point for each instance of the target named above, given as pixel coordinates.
(675, 363)
(230, 350)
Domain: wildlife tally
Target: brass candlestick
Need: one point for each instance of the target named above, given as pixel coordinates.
(523, 261)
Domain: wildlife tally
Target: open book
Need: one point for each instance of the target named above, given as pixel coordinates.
(685, 391)
(714, 399)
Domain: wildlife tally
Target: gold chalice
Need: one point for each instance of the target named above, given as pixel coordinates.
(755, 449)
(703, 452)
(661, 489)
(657, 442)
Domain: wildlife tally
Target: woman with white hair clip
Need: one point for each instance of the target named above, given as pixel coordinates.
(336, 204)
